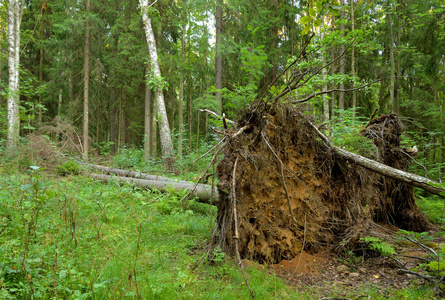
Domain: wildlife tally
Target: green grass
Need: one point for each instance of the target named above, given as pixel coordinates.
(75, 238)
(433, 207)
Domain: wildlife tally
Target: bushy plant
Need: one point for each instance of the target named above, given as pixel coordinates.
(68, 168)
(130, 157)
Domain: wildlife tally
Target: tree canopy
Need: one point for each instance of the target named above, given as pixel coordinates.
(397, 43)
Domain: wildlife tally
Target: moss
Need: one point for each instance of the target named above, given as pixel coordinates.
(68, 168)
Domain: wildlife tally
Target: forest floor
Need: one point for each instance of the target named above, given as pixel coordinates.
(324, 272)
(76, 238)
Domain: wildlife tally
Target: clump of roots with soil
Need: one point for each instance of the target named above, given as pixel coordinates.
(283, 189)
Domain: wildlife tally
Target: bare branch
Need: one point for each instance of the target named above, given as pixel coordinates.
(293, 63)
(216, 115)
(335, 90)
(317, 70)
(235, 220)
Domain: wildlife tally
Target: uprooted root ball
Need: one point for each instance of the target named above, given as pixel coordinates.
(293, 192)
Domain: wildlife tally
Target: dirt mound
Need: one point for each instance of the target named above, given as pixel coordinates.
(293, 192)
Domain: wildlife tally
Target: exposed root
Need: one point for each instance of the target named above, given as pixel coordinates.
(235, 220)
(295, 191)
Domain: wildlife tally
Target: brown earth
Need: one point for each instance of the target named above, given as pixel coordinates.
(323, 272)
(326, 273)
(294, 193)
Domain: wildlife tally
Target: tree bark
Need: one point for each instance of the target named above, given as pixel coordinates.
(324, 74)
(164, 128)
(86, 84)
(147, 119)
(218, 55)
(15, 11)
(202, 191)
(181, 95)
(154, 131)
(40, 111)
(341, 95)
(391, 56)
(354, 93)
(113, 104)
(132, 174)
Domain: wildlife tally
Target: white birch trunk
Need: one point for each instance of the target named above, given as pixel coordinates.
(164, 128)
(147, 119)
(15, 11)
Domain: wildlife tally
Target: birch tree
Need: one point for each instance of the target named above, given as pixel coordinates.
(15, 12)
(157, 82)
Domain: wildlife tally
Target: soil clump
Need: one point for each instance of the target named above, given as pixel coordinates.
(294, 193)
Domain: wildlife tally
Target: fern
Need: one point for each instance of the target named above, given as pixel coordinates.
(377, 244)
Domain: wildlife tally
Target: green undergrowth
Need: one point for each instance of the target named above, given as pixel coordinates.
(75, 238)
(433, 207)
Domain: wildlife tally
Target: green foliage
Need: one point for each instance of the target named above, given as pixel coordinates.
(156, 82)
(129, 157)
(442, 186)
(350, 258)
(68, 168)
(345, 128)
(379, 245)
(433, 207)
(70, 239)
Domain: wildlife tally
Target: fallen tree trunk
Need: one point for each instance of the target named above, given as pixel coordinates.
(133, 174)
(203, 192)
(385, 170)
(410, 178)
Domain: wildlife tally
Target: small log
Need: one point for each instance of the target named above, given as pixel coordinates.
(133, 174)
(202, 191)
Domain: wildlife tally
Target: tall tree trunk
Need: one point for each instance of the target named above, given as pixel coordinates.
(59, 104)
(218, 55)
(147, 119)
(40, 112)
(113, 121)
(324, 74)
(123, 121)
(391, 56)
(354, 94)
(341, 96)
(190, 119)
(164, 129)
(181, 95)
(15, 11)
(333, 70)
(59, 115)
(86, 85)
(154, 131)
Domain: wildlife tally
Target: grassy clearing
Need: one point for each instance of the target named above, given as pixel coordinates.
(74, 238)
